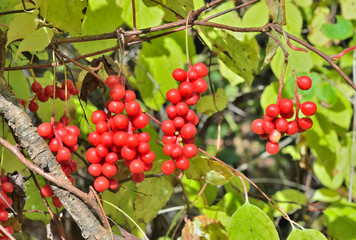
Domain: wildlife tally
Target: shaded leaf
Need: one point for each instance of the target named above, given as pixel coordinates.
(207, 170)
(110, 65)
(250, 222)
(271, 50)
(206, 103)
(203, 227)
(341, 30)
(315, 34)
(306, 234)
(326, 195)
(36, 41)
(21, 26)
(90, 83)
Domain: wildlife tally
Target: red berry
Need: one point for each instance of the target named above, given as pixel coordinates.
(267, 126)
(3, 215)
(107, 139)
(36, 87)
(4, 178)
(132, 140)
(201, 69)
(49, 91)
(9, 230)
(143, 147)
(133, 108)
(190, 150)
(69, 83)
(188, 130)
(192, 75)
(281, 124)
(169, 139)
(102, 127)
(121, 121)
(95, 169)
(66, 170)
(192, 100)
(74, 129)
(42, 97)
(305, 123)
(273, 110)
(168, 167)
(287, 115)
(176, 152)
(72, 91)
(128, 153)
(62, 94)
(304, 82)
(101, 184)
(116, 106)
(120, 138)
(257, 126)
(92, 156)
(171, 111)
(64, 119)
(70, 139)
(8, 187)
(168, 127)
(190, 115)
(148, 157)
(308, 108)
(136, 166)
(109, 170)
(117, 92)
(174, 96)
(112, 80)
(144, 137)
(45, 130)
(130, 96)
(97, 116)
(178, 122)
(138, 177)
(182, 163)
(94, 138)
(141, 121)
(167, 148)
(147, 166)
(33, 106)
(111, 158)
(102, 150)
(179, 75)
(274, 136)
(292, 128)
(285, 105)
(186, 89)
(182, 108)
(63, 154)
(200, 85)
(272, 148)
(113, 184)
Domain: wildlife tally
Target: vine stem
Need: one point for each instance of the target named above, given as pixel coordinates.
(186, 40)
(6, 233)
(133, 14)
(280, 88)
(297, 107)
(337, 56)
(352, 170)
(245, 189)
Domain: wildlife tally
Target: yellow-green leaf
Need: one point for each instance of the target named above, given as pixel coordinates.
(36, 41)
(21, 26)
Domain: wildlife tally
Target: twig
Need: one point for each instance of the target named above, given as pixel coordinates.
(133, 14)
(106, 225)
(6, 233)
(168, 8)
(337, 56)
(15, 11)
(352, 168)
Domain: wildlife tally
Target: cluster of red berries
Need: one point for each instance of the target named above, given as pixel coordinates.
(62, 142)
(43, 94)
(116, 138)
(273, 127)
(180, 128)
(5, 202)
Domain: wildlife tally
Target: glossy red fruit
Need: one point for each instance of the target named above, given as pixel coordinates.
(274, 136)
(45, 129)
(190, 150)
(9, 230)
(132, 140)
(112, 80)
(186, 89)
(138, 177)
(188, 130)
(272, 110)
(174, 96)
(143, 147)
(69, 83)
(36, 87)
(182, 163)
(62, 94)
(130, 96)
(133, 108)
(128, 153)
(73, 91)
(171, 111)
(70, 139)
(192, 100)
(281, 124)
(116, 106)
(73, 129)
(144, 137)
(285, 105)
(94, 138)
(272, 148)
(102, 150)
(169, 139)
(178, 122)
(95, 169)
(102, 127)
(305, 123)
(111, 158)
(33, 106)
(66, 170)
(109, 170)
(182, 108)
(168, 127)
(141, 121)
(148, 157)
(304, 82)
(47, 191)
(267, 126)
(3, 215)
(107, 139)
(179, 75)
(136, 166)
(97, 116)
(120, 138)
(200, 85)
(8, 187)
(49, 91)
(201, 69)
(287, 115)
(56, 202)
(42, 97)
(92, 156)
(308, 108)
(292, 128)
(257, 126)
(63, 154)
(113, 184)
(120, 121)
(101, 184)
(117, 92)
(168, 167)
(192, 75)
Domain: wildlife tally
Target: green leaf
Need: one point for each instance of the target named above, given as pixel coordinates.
(326, 195)
(226, 72)
(154, 194)
(99, 12)
(145, 16)
(348, 9)
(315, 34)
(36, 41)
(340, 219)
(182, 7)
(294, 20)
(250, 222)
(341, 30)
(203, 227)
(64, 14)
(258, 9)
(204, 169)
(306, 234)
(276, 10)
(239, 56)
(272, 47)
(21, 26)
(207, 106)
(289, 200)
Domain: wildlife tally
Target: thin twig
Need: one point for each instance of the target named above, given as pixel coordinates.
(352, 168)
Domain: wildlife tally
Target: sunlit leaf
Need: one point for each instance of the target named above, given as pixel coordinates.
(36, 41)
(21, 26)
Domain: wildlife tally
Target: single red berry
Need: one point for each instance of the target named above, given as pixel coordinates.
(102, 150)
(190, 150)
(97, 116)
(285, 105)
(62, 94)
(74, 129)
(200, 85)
(141, 121)
(267, 126)
(305, 123)
(49, 91)
(188, 130)
(182, 108)
(136, 166)
(70, 139)
(63, 154)
(112, 80)
(281, 124)
(133, 108)
(176, 152)
(168, 127)
(138, 177)
(143, 147)
(92, 156)
(111, 158)
(274, 136)
(168, 167)
(272, 148)
(9, 230)
(144, 137)
(128, 153)
(178, 122)
(33, 106)
(8, 187)
(169, 139)
(201, 69)
(174, 96)
(113, 184)
(192, 75)
(69, 83)
(64, 119)
(116, 106)
(179, 75)
(66, 170)
(45, 130)
(4, 179)
(148, 157)
(287, 115)
(192, 100)
(257, 126)
(102, 127)
(3, 215)
(273, 110)
(292, 128)
(72, 91)
(121, 121)
(132, 140)
(304, 82)
(120, 138)
(94, 138)
(109, 170)
(101, 184)
(147, 166)
(308, 108)
(107, 139)
(186, 89)
(36, 87)
(130, 96)
(171, 111)
(117, 92)
(167, 148)
(42, 97)
(182, 163)
(95, 169)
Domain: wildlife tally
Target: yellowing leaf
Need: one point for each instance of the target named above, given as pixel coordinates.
(21, 26)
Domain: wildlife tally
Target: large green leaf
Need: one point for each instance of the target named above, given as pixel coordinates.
(36, 41)
(306, 234)
(326, 195)
(341, 30)
(154, 68)
(207, 105)
(289, 200)
(294, 19)
(21, 26)
(154, 194)
(64, 14)
(340, 219)
(250, 222)
(99, 12)
(209, 171)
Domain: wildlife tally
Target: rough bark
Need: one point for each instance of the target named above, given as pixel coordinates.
(39, 152)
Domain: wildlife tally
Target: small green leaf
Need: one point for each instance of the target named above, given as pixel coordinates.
(226, 72)
(206, 104)
(341, 30)
(203, 227)
(36, 41)
(212, 172)
(21, 26)
(289, 200)
(315, 34)
(306, 234)
(250, 222)
(326, 195)
(348, 9)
